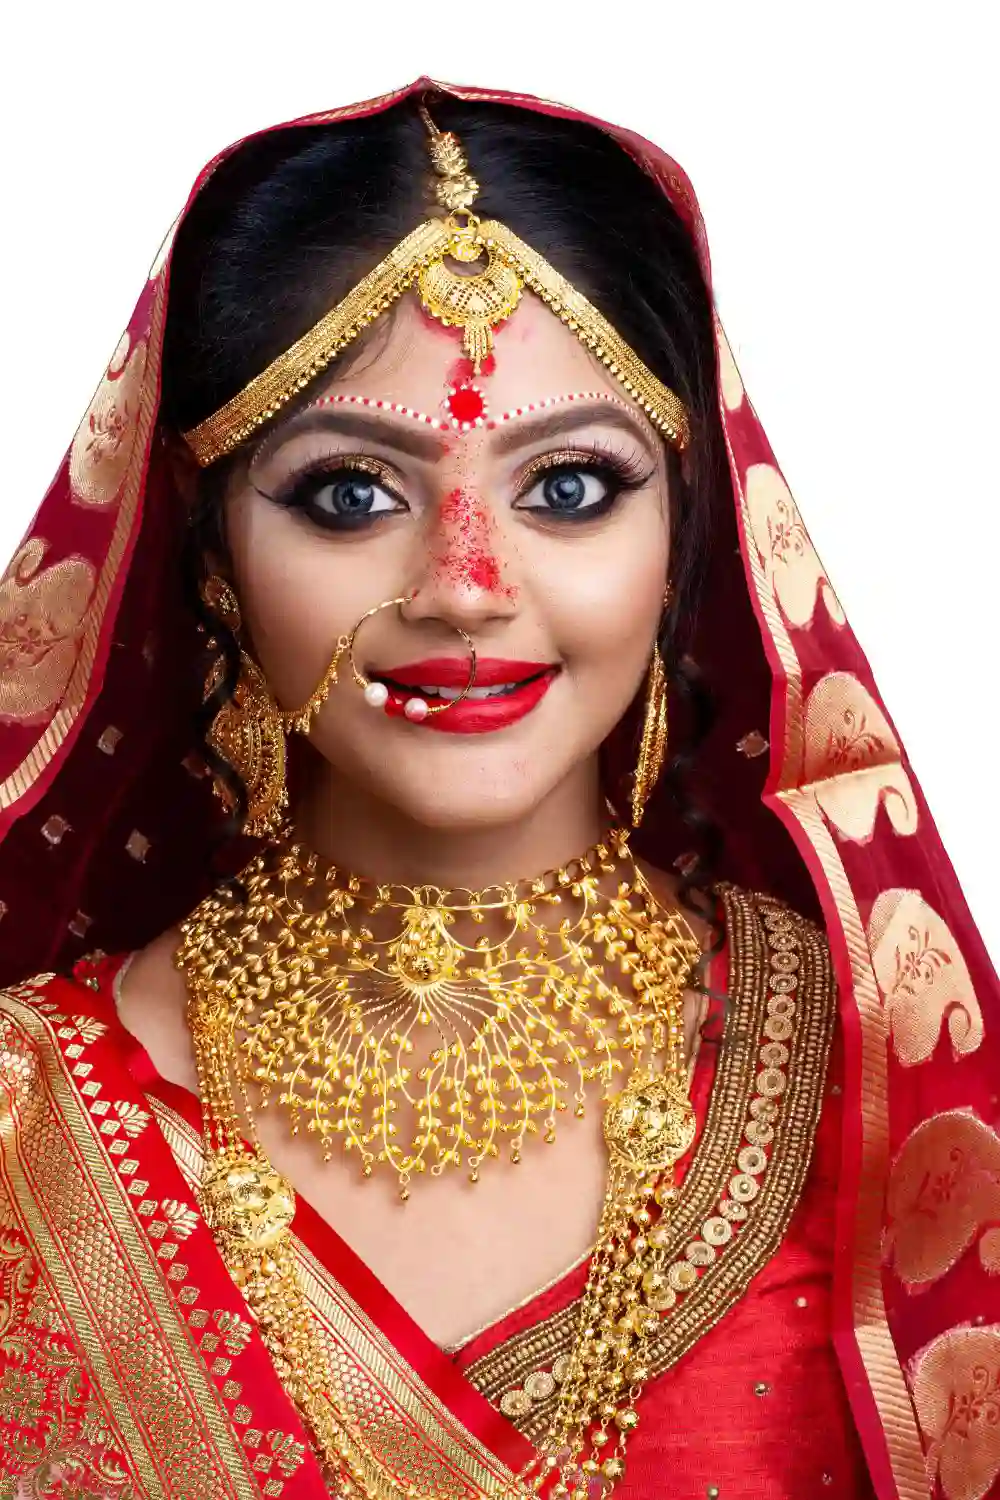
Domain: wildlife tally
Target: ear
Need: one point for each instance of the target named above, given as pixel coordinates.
(188, 481)
(182, 467)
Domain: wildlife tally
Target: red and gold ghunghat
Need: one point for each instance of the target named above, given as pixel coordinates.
(834, 1255)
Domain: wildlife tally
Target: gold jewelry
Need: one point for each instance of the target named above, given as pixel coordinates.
(249, 1206)
(299, 720)
(376, 693)
(475, 303)
(247, 731)
(318, 971)
(421, 1026)
(653, 745)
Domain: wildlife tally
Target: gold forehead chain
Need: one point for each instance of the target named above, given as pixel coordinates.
(476, 302)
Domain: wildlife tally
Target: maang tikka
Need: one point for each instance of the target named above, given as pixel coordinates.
(500, 267)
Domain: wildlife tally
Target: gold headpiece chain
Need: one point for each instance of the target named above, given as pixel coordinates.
(476, 303)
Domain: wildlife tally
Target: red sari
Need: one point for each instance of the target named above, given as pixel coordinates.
(850, 1345)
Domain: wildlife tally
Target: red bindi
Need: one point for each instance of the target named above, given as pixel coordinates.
(466, 403)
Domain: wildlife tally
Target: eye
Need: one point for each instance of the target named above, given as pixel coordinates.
(342, 496)
(578, 486)
(568, 489)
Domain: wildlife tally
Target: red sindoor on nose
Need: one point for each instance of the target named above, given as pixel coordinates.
(468, 558)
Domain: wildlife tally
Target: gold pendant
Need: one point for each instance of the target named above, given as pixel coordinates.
(476, 303)
(246, 1201)
(650, 1124)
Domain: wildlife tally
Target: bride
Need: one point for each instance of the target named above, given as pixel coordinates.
(503, 1021)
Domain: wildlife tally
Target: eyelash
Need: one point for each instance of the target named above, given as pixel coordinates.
(620, 470)
(299, 490)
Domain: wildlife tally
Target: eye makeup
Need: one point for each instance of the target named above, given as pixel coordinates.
(630, 468)
(568, 477)
(335, 491)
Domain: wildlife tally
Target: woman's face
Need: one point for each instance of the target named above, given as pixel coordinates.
(544, 537)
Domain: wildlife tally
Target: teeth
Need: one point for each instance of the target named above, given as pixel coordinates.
(476, 692)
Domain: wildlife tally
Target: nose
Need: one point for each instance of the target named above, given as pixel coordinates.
(464, 575)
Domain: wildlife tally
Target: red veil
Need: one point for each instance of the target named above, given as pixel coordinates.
(106, 820)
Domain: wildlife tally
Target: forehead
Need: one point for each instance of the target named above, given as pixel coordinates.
(410, 358)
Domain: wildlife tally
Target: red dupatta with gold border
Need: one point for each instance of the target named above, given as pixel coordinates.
(105, 819)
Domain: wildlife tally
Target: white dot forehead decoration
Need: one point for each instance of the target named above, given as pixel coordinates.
(454, 424)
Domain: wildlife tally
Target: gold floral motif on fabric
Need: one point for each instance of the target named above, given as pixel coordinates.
(42, 614)
(943, 1196)
(86, 1216)
(923, 978)
(852, 761)
(955, 1384)
(53, 1430)
(102, 447)
(412, 1433)
(789, 558)
(748, 1167)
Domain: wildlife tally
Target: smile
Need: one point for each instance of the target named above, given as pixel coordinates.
(504, 691)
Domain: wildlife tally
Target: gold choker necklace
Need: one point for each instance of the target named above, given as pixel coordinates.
(425, 1028)
(483, 1015)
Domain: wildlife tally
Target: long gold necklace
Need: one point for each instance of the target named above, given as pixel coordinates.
(424, 1028)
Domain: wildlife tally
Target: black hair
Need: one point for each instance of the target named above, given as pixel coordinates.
(290, 222)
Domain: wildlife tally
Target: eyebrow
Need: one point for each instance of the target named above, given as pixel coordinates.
(412, 432)
(359, 423)
(569, 419)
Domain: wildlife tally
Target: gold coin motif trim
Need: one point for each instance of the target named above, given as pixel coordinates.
(745, 1178)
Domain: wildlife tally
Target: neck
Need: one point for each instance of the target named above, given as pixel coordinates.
(361, 833)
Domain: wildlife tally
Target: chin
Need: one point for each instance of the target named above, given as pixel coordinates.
(466, 801)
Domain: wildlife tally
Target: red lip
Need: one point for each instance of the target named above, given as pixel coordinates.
(453, 671)
(474, 715)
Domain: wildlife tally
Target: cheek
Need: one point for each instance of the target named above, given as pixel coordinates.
(298, 593)
(604, 603)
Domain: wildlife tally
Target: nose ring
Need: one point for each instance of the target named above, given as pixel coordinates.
(376, 693)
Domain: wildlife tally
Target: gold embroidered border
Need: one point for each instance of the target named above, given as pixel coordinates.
(871, 1327)
(107, 1285)
(727, 1224)
(24, 776)
(875, 1344)
(414, 1434)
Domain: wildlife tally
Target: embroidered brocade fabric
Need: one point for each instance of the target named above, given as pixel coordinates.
(172, 1404)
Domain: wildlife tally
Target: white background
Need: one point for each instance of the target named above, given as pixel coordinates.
(846, 161)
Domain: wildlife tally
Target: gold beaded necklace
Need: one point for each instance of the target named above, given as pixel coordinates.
(426, 1027)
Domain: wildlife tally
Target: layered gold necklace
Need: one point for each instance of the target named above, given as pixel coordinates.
(427, 1030)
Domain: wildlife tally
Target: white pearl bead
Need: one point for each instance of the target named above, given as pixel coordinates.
(377, 694)
(416, 709)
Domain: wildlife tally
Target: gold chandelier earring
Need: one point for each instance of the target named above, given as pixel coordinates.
(653, 744)
(247, 731)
